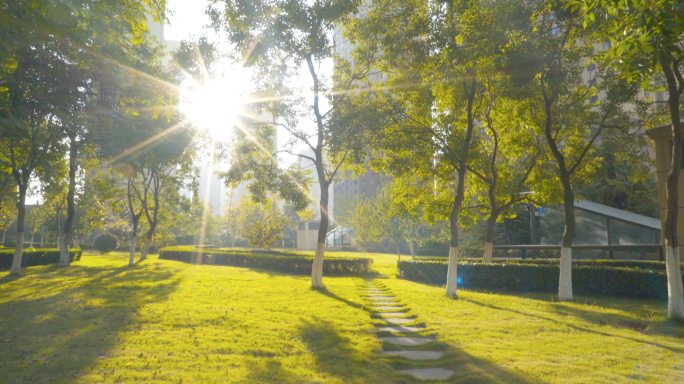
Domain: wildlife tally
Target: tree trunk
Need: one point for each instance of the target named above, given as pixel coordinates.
(565, 279)
(489, 238)
(675, 290)
(452, 272)
(32, 236)
(42, 236)
(4, 235)
(148, 241)
(317, 267)
(65, 237)
(398, 251)
(131, 260)
(77, 242)
(21, 217)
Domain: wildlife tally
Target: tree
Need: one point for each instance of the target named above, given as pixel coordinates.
(646, 43)
(36, 220)
(439, 58)
(390, 223)
(506, 159)
(548, 61)
(261, 225)
(7, 218)
(362, 220)
(275, 39)
(229, 218)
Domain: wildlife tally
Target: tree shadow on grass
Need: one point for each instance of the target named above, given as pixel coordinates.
(339, 356)
(70, 317)
(324, 291)
(646, 327)
(576, 327)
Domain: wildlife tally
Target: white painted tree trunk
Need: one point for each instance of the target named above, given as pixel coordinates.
(77, 242)
(565, 280)
(18, 253)
(42, 236)
(145, 250)
(64, 259)
(452, 273)
(131, 261)
(4, 234)
(488, 252)
(675, 290)
(32, 236)
(317, 267)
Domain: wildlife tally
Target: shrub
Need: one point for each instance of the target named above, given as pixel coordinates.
(87, 246)
(106, 243)
(642, 264)
(36, 256)
(277, 261)
(543, 277)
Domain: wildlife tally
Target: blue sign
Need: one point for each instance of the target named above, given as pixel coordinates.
(541, 211)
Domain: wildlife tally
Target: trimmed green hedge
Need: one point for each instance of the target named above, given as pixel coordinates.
(277, 261)
(36, 256)
(543, 277)
(641, 264)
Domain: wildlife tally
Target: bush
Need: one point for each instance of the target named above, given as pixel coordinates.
(641, 264)
(543, 277)
(36, 256)
(87, 246)
(277, 261)
(106, 243)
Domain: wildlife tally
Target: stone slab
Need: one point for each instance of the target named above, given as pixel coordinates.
(429, 373)
(381, 298)
(391, 314)
(386, 308)
(399, 329)
(404, 320)
(416, 355)
(407, 341)
(376, 294)
(384, 303)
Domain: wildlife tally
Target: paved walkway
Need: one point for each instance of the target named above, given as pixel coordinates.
(403, 344)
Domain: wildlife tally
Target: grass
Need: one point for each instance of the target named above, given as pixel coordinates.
(169, 322)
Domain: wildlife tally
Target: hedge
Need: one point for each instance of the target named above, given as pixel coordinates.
(277, 261)
(642, 264)
(543, 277)
(36, 256)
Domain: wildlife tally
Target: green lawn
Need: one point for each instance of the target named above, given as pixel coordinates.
(169, 322)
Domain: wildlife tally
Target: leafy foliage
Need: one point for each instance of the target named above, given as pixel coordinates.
(278, 261)
(36, 256)
(106, 243)
(543, 277)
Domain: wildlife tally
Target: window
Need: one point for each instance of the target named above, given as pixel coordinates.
(302, 226)
(593, 99)
(363, 183)
(314, 226)
(591, 67)
(606, 45)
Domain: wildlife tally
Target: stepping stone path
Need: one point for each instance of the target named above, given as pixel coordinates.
(381, 301)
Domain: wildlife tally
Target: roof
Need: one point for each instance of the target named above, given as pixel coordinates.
(619, 214)
(660, 132)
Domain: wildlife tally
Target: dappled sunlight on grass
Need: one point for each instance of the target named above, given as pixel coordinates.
(597, 340)
(164, 321)
(171, 322)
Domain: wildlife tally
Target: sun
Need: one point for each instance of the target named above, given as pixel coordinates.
(215, 106)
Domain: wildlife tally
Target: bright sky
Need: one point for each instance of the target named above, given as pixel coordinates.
(189, 19)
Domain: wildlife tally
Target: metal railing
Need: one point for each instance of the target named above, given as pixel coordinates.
(610, 249)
